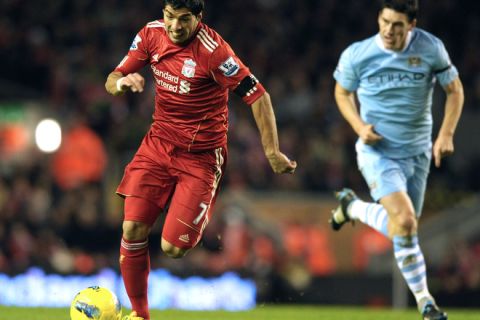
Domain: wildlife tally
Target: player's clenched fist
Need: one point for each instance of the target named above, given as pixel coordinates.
(281, 164)
(368, 135)
(133, 81)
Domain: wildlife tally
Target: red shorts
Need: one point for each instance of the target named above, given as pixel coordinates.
(186, 181)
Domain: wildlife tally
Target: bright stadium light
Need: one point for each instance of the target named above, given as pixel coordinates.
(48, 135)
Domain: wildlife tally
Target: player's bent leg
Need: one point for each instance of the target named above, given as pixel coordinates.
(173, 251)
(402, 219)
(179, 234)
(340, 215)
(352, 208)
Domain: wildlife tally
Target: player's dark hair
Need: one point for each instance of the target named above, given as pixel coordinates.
(408, 7)
(194, 6)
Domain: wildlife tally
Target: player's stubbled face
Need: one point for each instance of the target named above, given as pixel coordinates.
(394, 27)
(180, 23)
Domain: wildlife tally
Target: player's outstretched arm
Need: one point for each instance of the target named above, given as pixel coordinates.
(265, 119)
(117, 84)
(443, 145)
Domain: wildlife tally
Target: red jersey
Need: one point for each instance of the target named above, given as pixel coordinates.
(191, 84)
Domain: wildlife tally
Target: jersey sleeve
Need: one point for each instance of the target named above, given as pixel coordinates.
(230, 72)
(345, 73)
(444, 70)
(138, 55)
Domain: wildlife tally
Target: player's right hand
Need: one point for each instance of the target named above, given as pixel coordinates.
(368, 135)
(132, 81)
(281, 164)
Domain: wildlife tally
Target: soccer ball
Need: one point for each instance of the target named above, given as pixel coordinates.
(95, 303)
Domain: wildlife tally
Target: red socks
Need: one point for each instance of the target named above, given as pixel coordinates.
(135, 267)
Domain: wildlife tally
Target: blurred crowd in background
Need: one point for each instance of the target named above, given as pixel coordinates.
(59, 213)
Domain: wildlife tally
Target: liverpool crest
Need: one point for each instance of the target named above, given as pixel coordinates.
(188, 69)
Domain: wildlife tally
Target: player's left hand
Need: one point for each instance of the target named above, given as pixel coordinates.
(280, 163)
(442, 147)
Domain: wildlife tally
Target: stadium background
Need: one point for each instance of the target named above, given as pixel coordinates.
(54, 58)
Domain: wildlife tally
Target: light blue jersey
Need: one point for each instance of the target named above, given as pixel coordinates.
(395, 89)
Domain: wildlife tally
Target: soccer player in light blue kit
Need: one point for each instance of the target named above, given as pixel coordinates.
(393, 74)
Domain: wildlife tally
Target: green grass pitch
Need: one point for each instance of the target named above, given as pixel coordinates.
(269, 312)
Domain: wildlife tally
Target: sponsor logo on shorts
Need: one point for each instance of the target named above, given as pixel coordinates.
(184, 238)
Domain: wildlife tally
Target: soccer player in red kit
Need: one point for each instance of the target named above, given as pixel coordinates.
(183, 156)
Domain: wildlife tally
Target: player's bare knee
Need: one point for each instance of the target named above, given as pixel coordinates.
(175, 253)
(134, 230)
(407, 223)
(172, 251)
